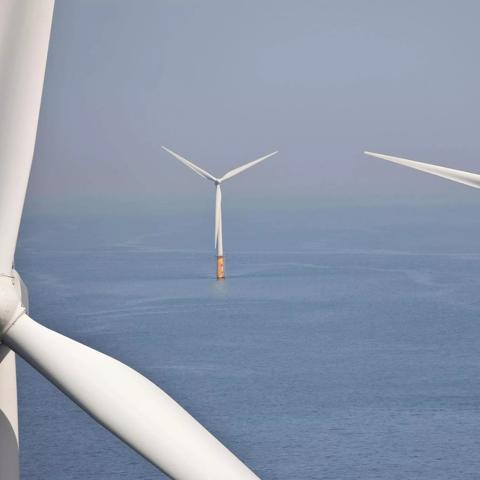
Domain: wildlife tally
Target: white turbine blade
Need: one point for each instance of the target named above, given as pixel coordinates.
(24, 36)
(241, 169)
(467, 178)
(9, 446)
(195, 168)
(218, 212)
(127, 404)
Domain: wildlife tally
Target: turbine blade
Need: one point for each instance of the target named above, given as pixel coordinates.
(241, 169)
(467, 178)
(195, 168)
(24, 36)
(9, 446)
(127, 404)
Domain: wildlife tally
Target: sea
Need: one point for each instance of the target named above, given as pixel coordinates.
(343, 344)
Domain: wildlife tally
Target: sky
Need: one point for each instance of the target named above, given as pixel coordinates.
(223, 82)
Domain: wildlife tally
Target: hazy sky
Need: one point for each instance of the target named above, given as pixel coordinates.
(223, 82)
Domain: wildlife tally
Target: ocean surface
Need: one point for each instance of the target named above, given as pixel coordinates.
(344, 344)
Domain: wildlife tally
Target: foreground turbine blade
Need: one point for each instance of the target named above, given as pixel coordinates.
(467, 178)
(241, 169)
(24, 35)
(9, 451)
(127, 404)
(195, 168)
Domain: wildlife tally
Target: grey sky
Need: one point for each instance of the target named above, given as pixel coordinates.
(223, 82)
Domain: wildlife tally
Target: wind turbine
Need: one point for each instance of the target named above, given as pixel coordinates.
(119, 398)
(467, 178)
(218, 199)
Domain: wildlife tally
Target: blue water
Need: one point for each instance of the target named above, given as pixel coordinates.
(344, 344)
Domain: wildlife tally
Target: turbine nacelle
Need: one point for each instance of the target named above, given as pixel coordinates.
(11, 307)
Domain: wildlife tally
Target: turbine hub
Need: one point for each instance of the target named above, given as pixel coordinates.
(11, 307)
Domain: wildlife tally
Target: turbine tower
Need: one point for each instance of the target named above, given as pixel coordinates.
(459, 176)
(119, 398)
(218, 199)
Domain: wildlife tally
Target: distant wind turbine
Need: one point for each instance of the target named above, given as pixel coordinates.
(467, 178)
(218, 199)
